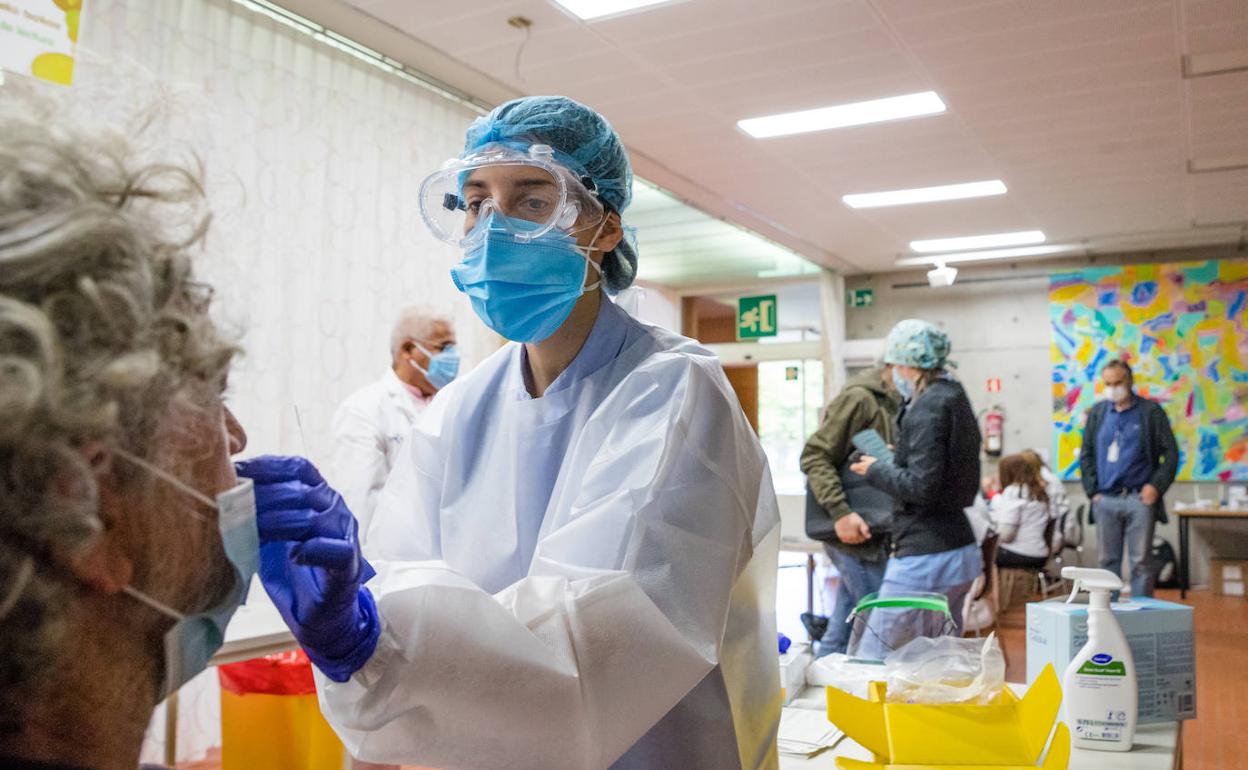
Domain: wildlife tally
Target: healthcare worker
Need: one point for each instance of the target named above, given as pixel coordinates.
(371, 424)
(576, 556)
(934, 474)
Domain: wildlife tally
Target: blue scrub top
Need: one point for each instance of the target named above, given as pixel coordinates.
(1132, 469)
(935, 571)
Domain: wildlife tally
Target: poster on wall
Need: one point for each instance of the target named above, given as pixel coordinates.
(1183, 327)
(37, 37)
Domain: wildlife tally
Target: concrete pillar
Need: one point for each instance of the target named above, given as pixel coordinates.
(832, 338)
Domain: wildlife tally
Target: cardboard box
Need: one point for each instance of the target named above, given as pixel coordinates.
(793, 670)
(1162, 644)
(1229, 576)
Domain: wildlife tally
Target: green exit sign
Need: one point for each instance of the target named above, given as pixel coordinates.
(756, 317)
(861, 297)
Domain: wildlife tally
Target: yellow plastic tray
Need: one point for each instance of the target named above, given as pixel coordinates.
(1008, 734)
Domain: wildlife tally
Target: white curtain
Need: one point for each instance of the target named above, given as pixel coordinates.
(313, 161)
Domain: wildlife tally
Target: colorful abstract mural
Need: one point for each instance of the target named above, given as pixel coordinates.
(1184, 329)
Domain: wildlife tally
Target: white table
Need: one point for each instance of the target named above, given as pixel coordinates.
(811, 548)
(1157, 747)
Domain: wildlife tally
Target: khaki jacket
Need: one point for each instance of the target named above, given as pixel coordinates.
(863, 403)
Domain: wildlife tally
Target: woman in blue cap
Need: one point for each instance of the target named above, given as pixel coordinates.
(576, 558)
(933, 477)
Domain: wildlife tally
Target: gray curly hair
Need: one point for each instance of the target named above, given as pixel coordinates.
(101, 328)
(415, 322)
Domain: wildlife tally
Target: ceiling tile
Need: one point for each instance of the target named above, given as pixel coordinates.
(1079, 106)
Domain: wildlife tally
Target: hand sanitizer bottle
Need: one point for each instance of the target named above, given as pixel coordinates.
(1099, 688)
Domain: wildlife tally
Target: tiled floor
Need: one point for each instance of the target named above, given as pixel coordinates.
(1218, 738)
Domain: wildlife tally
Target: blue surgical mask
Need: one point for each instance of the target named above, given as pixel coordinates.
(195, 638)
(443, 365)
(904, 387)
(524, 290)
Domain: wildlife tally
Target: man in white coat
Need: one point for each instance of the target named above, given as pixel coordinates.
(372, 423)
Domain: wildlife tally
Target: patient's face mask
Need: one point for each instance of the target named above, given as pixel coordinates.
(195, 637)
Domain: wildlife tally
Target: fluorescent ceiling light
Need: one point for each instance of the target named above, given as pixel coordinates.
(988, 254)
(1020, 238)
(947, 192)
(596, 9)
(842, 115)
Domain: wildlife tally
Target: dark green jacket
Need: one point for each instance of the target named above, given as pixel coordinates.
(863, 403)
(1159, 446)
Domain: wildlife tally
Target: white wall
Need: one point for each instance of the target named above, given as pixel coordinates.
(313, 159)
(998, 320)
(653, 304)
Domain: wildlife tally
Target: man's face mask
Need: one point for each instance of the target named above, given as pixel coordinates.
(443, 365)
(194, 638)
(1117, 393)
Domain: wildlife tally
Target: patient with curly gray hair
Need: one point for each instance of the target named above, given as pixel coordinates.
(126, 539)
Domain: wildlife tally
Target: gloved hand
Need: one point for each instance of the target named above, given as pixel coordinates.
(311, 565)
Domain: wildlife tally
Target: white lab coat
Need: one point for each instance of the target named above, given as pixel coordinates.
(581, 581)
(368, 430)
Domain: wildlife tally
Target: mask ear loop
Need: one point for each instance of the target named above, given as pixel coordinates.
(174, 481)
(159, 606)
(183, 487)
(584, 250)
(24, 573)
(428, 354)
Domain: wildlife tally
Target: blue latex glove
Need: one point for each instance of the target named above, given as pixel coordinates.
(311, 565)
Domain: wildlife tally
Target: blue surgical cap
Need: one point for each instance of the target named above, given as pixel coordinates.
(917, 343)
(584, 142)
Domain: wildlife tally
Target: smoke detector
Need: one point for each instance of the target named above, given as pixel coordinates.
(942, 275)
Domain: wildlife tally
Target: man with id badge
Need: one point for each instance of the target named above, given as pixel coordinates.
(1128, 460)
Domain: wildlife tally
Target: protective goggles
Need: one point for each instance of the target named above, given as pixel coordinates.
(526, 185)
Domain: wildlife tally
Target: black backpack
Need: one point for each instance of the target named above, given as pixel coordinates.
(1162, 564)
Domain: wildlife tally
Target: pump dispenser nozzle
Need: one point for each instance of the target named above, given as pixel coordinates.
(1091, 580)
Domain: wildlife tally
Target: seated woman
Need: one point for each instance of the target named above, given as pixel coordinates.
(1059, 503)
(126, 539)
(1020, 513)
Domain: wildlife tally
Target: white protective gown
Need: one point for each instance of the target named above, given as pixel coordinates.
(369, 429)
(585, 580)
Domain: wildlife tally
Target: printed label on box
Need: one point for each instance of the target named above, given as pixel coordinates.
(1232, 572)
(1162, 646)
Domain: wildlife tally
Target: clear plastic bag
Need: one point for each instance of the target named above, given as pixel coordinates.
(946, 669)
(843, 672)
